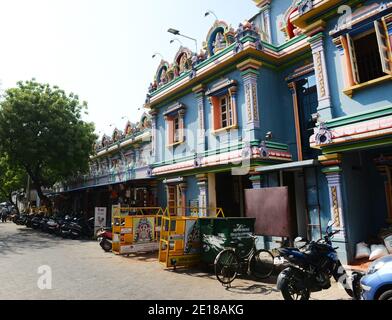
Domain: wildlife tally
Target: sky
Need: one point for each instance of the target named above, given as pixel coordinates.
(102, 49)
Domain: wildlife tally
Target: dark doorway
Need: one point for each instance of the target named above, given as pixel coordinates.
(230, 193)
(307, 107)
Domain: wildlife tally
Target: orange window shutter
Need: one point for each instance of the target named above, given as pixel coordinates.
(216, 113)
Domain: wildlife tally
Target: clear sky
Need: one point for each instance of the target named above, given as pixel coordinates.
(102, 49)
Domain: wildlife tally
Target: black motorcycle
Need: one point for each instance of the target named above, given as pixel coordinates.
(311, 268)
(36, 222)
(81, 227)
(65, 230)
(54, 225)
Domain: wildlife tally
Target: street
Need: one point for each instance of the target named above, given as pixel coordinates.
(82, 270)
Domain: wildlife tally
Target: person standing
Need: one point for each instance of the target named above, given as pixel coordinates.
(4, 214)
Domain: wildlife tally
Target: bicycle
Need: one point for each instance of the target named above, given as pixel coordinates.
(231, 261)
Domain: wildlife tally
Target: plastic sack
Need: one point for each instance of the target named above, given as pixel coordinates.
(378, 251)
(388, 243)
(362, 251)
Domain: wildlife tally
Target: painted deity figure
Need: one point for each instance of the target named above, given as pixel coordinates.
(144, 231)
(220, 42)
(163, 78)
(183, 63)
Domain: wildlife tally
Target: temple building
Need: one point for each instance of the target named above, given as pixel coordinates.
(299, 97)
(287, 117)
(119, 173)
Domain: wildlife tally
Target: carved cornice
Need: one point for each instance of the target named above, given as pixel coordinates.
(249, 64)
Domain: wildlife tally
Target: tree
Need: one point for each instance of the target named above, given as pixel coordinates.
(42, 131)
(11, 179)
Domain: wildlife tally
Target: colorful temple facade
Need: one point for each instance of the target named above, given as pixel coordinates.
(298, 96)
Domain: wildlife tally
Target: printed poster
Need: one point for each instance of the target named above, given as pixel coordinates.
(192, 237)
(144, 230)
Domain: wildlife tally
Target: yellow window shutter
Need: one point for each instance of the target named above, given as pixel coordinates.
(353, 59)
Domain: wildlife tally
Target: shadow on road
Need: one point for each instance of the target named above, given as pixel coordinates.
(253, 289)
(17, 239)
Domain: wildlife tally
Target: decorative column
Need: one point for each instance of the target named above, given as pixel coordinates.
(333, 174)
(324, 98)
(202, 183)
(199, 93)
(181, 123)
(154, 140)
(265, 12)
(249, 72)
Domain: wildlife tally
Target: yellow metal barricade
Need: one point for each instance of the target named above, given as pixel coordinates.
(179, 244)
(136, 229)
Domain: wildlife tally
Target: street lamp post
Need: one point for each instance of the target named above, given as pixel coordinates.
(157, 54)
(212, 13)
(177, 33)
(175, 39)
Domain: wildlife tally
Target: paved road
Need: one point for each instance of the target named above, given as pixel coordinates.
(81, 270)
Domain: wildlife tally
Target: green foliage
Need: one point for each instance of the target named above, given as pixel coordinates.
(11, 178)
(41, 131)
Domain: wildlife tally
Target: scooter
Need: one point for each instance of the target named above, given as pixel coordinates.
(311, 268)
(104, 237)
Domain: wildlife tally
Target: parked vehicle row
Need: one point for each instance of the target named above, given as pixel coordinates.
(68, 226)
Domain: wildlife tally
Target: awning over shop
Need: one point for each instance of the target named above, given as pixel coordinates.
(292, 166)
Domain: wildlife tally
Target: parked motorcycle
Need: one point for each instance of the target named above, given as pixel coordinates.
(104, 237)
(65, 230)
(311, 268)
(54, 225)
(80, 227)
(36, 221)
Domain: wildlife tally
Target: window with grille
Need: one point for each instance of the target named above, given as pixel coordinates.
(226, 113)
(176, 131)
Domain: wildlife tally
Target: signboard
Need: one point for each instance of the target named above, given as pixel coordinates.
(142, 247)
(100, 218)
(126, 230)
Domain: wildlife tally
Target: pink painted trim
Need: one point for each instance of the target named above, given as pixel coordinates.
(359, 131)
(221, 159)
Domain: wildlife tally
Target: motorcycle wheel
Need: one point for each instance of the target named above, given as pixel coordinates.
(290, 292)
(105, 245)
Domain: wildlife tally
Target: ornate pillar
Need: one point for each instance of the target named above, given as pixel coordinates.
(265, 11)
(324, 98)
(154, 139)
(249, 72)
(333, 173)
(199, 93)
(202, 183)
(181, 123)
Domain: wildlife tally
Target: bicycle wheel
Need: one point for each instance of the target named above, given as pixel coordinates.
(262, 264)
(226, 266)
